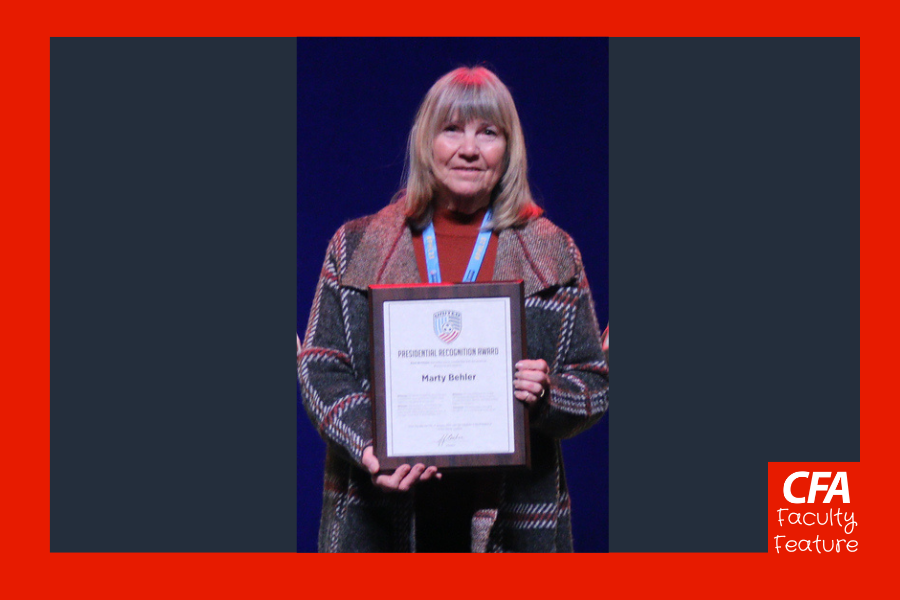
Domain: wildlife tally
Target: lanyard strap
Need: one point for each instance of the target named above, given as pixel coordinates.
(431, 254)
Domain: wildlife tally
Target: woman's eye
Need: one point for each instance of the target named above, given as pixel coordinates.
(452, 127)
(492, 131)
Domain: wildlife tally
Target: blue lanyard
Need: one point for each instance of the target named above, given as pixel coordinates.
(431, 254)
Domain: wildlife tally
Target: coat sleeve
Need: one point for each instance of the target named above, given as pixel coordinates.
(335, 390)
(579, 372)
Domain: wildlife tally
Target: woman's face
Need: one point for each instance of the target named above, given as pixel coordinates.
(468, 162)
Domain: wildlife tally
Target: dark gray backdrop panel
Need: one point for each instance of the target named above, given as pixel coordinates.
(173, 202)
(734, 261)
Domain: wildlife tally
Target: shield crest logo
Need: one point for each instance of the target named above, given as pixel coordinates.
(447, 325)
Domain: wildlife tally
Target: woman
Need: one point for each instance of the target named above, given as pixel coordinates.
(466, 172)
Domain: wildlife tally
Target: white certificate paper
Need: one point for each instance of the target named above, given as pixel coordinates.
(449, 380)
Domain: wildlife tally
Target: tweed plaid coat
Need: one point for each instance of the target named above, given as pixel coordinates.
(533, 510)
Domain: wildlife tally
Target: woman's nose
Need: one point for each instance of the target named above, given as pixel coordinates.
(469, 146)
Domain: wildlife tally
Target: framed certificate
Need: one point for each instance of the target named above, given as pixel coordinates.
(443, 359)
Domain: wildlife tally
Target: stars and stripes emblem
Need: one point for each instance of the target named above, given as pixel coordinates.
(447, 325)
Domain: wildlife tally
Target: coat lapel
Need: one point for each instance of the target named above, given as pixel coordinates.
(538, 253)
(385, 253)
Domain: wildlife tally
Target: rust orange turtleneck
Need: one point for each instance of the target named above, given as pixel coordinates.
(456, 234)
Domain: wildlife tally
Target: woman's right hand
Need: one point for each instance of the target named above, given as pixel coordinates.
(402, 479)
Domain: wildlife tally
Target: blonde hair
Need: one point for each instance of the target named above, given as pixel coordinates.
(468, 93)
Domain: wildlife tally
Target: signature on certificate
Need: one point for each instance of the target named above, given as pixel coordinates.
(449, 439)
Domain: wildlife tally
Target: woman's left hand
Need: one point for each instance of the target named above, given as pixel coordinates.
(532, 381)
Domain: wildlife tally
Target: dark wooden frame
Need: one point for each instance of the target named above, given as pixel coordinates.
(378, 295)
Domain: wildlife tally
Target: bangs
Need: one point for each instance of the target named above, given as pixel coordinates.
(467, 94)
(466, 100)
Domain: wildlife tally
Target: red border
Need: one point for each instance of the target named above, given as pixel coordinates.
(25, 244)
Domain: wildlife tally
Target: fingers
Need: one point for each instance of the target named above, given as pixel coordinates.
(533, 365)
(526, 397)
(411, 477)
(369, 461)
(429, 473)
(391, 483)
(532, 380)
(405, 477)
(527, 390)
(534, 376)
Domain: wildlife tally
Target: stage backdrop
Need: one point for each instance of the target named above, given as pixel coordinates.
(356, 99)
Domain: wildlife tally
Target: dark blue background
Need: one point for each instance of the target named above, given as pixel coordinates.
(356, 102)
